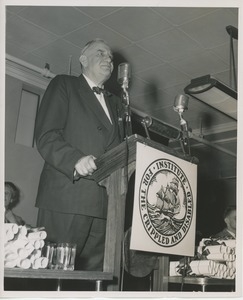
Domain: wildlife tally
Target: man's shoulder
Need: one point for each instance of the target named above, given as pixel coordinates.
(222, 233)
(65, 77)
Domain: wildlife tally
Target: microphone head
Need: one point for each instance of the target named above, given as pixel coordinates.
(124, 73)
(181, 103)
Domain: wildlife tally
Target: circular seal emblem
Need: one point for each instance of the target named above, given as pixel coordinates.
(165, 202)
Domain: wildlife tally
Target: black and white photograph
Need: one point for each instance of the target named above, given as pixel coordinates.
(121, 137)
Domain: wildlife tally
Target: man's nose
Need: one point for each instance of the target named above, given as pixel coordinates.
(108, 58)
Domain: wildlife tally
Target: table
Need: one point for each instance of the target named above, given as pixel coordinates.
(96, 276)
(202, 281)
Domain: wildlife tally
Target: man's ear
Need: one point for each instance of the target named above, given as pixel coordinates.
(83, 60)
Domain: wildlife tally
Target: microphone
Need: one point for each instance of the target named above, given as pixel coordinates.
(124, 74)
(181, 103)
(123, 78)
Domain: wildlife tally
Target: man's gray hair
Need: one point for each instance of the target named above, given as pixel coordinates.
(90, 43)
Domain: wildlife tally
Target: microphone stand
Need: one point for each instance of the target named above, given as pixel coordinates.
(180, 105)
(146, 122)
(128, 121)
(185, 141)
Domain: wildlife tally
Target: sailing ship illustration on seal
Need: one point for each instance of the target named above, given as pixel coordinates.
(167, 198)
(163, 214)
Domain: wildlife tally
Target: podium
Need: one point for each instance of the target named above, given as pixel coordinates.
(114, 170)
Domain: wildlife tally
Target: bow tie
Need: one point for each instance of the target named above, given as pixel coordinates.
(99, 90)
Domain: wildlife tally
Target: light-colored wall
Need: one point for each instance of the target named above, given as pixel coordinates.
(23, 164)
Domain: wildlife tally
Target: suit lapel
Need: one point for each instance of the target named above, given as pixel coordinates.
(111, 107)
(93, 103)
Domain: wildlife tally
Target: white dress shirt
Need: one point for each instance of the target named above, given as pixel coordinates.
(100, 97)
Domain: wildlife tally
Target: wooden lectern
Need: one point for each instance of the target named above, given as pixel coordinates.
(114, 171)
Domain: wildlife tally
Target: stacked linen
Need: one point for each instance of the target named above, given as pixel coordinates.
(213, 269)
(215, 259)
(175, 269)
(222, 254)
(23, 247)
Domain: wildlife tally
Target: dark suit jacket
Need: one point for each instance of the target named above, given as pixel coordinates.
(70, 124)
(224, 234)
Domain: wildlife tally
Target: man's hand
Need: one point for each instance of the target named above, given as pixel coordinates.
(86, 165)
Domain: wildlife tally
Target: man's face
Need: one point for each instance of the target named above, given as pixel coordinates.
(8, 196)
(98, 62)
